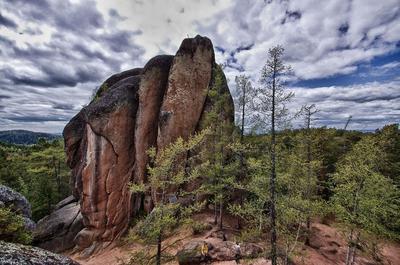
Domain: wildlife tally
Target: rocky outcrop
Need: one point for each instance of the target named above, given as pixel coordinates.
(188, 82)
(16, 254)
(18, 203)
(194, 252)
(57, 231)
(107, 141)
(199, 251)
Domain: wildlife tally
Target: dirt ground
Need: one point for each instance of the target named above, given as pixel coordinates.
(327, 247)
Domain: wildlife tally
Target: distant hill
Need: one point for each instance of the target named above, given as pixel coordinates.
(24, 137)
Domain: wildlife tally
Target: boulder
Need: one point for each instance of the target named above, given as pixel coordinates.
(194, 252)
(106, 143)
(225, 250)
(250, 250)
(18, 203)
(16, 254)
(56, 232)
(191, 253)
(62, 203)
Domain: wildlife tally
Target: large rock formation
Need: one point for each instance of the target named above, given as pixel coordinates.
(106, 142)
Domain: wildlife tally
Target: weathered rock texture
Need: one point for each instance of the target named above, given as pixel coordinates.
(194, 252)
(17, 254)
(56, 232)
(18, 203)
(106, 142)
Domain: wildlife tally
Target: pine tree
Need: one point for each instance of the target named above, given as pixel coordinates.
(245, 95)
(168, 171)
(221, 171)
(272, 113)
(308, 112)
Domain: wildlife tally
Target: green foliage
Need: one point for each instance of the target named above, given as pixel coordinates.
(168, 171)
(97, 93)
(162, 219)
(388, 140)
(39, 172)
(199, 227)
(364, 199)
(12, 227)
(222, 167)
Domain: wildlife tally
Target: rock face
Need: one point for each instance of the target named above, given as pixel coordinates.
(16, 254)
(18, 203)
(106, 142)
(56, 232)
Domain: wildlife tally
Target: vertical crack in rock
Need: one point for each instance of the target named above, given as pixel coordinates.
(151, 92)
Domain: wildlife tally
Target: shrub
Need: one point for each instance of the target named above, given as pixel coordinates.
(12, 227)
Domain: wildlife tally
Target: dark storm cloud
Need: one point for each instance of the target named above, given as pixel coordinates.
(53, 77)
(28, 118)
(62, 106)
(63, 52)
(291, 16)
(4, 97)
(343, 28)
(118, 41)
(32, 52)
(114, 14)
(61, 14)
(78, 18)
(63, 62)
(7, 22)
(6, 42)
(369, 98)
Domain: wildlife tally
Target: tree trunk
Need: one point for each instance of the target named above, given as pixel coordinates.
(241, 155)
(220, 214)
(273, 177)
(286, 262)
(308, 222)
(215, 212)
(353, 256)
(159, 240)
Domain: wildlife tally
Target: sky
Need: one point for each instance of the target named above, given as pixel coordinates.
(345, 54)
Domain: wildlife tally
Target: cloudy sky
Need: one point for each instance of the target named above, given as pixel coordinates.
(54, 53)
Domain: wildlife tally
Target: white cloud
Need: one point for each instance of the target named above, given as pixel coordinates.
(372, 105)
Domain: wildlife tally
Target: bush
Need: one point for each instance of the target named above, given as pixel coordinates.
(12, 227)
(199, 227)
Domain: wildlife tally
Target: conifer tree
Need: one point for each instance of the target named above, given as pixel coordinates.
(221, 171)
(168, 171)
(245, 95)
(308, 112)
(272, 113)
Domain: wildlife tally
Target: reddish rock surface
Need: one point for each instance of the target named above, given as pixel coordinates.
(106, 142)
